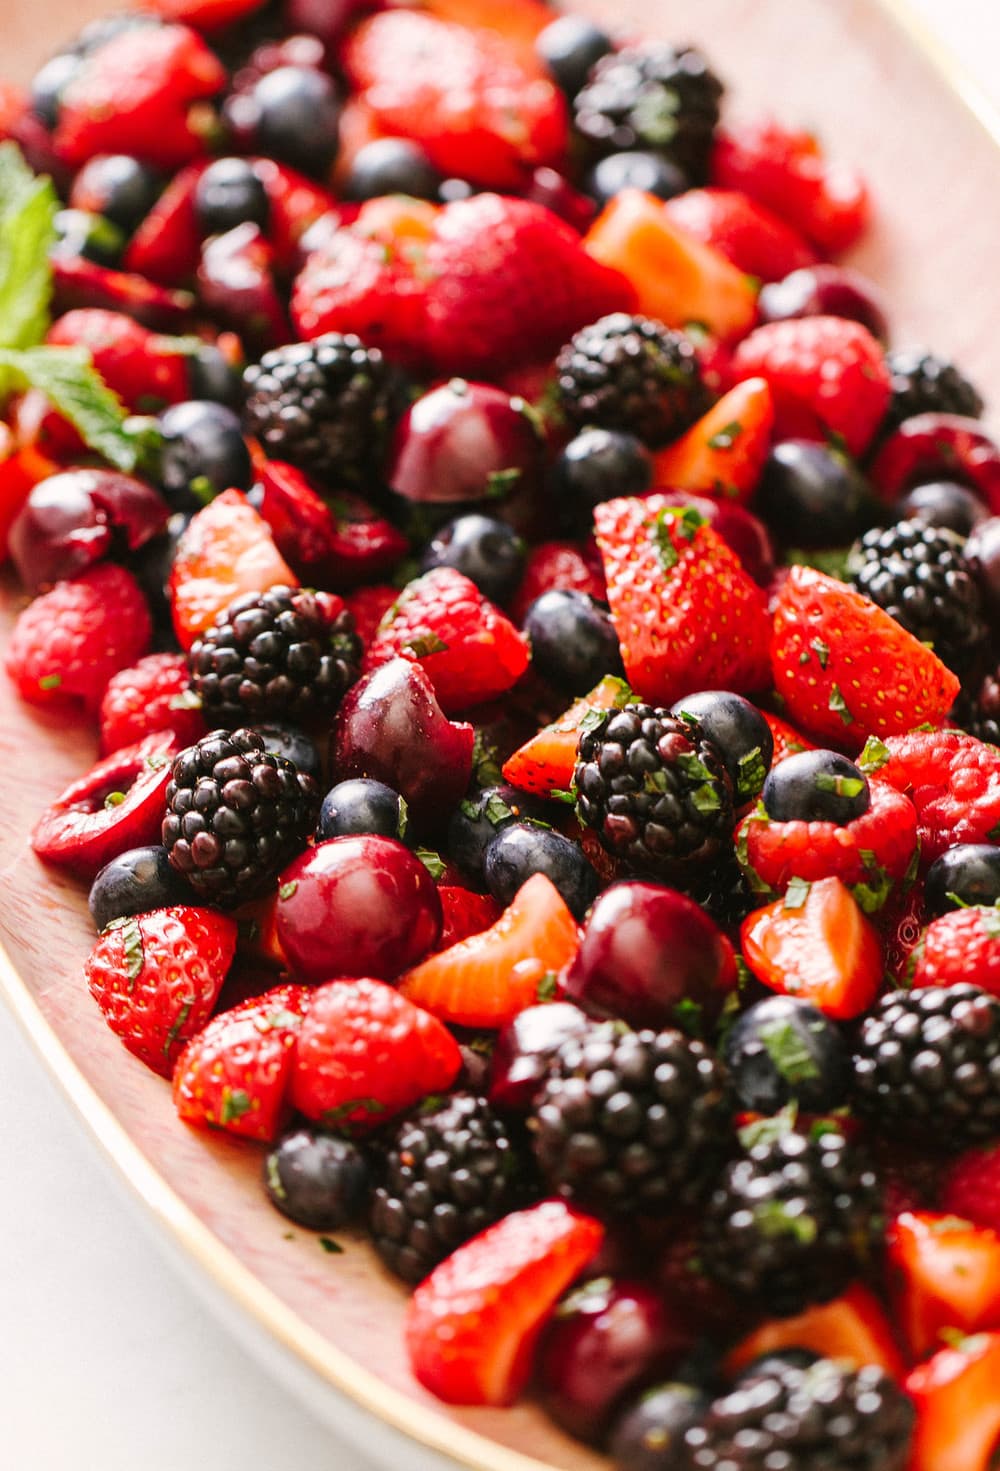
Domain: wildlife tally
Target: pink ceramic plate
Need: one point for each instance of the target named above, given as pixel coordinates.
(857, 72)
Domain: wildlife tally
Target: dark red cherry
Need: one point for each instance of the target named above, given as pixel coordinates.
(236, 283)
(72, 520)
(525, 1046)
(826, 291)
(356, 906)
(651, 957)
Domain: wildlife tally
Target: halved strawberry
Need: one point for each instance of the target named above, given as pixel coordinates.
(787, 740)
(958, 1408)
(226, 550)
(464, 914)
(816, 944)
(472, 1325)
(167, 243)
(545, 764)
(853, 1327)
(486, 980)
(234, 1074)
(945, 1274)
(723, 454)
(846, 670)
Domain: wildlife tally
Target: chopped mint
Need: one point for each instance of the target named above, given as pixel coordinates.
(496, 810)
(329, 1245)
(433, 862)
(776, 1218)
(750, 774)
(548, 987)
(838, 704)
(705, 799)
(726, 437)
(562, 794)
(134, 958)
(687, 1015)
(796, 894)
(842, 786)
(821, 650)
(790, 1055)
(274, 1184)
(50, 681)
(425, 644)
(114, 799)
(235, 1103)
(769, 1130)
(500, 483)
(287, 890)
(175, 1030)
(874, 756)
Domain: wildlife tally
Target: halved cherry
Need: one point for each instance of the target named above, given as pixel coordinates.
(82, 283)
(342, 546)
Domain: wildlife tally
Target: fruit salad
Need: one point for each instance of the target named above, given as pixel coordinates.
(540, 642)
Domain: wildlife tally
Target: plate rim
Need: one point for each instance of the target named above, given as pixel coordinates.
(425, 1425)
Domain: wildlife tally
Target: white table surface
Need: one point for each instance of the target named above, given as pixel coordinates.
(107, 1362)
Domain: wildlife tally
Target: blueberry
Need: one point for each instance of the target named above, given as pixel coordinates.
(212, 376)
(741, 733)
(596, 466)
(361, 805)
(573, 641)
(317, 1179)
(521, 849)
(635, 169)
(294, 745)
(649, 1436)
(813, 496)
(966, 874)
(943, 503)
(48, 85)
(391, 166)
(228, 194)
(152, 565)
(816, 786)
(783, 1049)
(89, 236)
(297, 118)
(569, 47)
(203, 454)
(119, 187)
(476, 821)
(135, 882)
(486, 551)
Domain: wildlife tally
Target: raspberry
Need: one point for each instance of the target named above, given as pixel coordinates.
(953, 781)
(971, 1187)
(150, 696)
(961, 944)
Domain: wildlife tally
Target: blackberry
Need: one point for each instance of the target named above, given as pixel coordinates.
(724, 892)
(820, 1416)
(980, 713)
(631, 1120)
(632, 374)
(284, 653)
(927, 1064)
(924, 383)
(653, 96)
(656, 791)
(235, 815)
(327, 406)
(450, 1170)
(788, 1219)
(919, 575)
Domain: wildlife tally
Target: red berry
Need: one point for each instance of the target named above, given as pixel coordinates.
(81, 283)
(153, 695)
(931, 447)
(167, 244)
(722, 455)
(952, 779)
(958, 1410)
(743, 230)
(970, 1186)
(557, 565)
(959, 945)
(146, 370)
(945, 1274)
(464, 914)
(853, 1327)
(330, 545)
(156, 978)
(368, 606)
(546, 762)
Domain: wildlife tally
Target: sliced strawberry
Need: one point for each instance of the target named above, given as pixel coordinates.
(486, 980)
(723, 454)
(816, 944)
(464, 914)
(234, 1074)
(518, 21)
(226, 550)
(787, 740)
(545, 764)
(853, 1327)
(945, 1274)
(167, 243)
(743, 230)
(958, 1409)
(146, 370)
(81, 283)
(472, 1326)
(338, 543)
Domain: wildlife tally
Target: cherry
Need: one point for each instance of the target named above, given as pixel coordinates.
(356, 906)
(391, 727)
(524, 1048)
(934, 447)
(236, 284)
(72, 520)
(826, 291)
(648, 956)
(605, 1339)
(982, 552)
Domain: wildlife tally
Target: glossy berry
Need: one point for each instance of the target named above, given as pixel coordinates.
(213, 376)
(89, 236)
(317, 1179)
(943, 503)
(636, 168)
(825, 291)
(361, 805)
(966, 874)
(477, 820)
(229, 193)
(294, 745)
(595, 466)
(136, 881)
(48, 83)
(521, 849)
(816, 786)
(982, 553)
(487, 552)
(117, 186)
(573, 641)
(391, 166)
(812, 495)
(203, 453)
(297, 118)
(782, 1049)
(524, 1048)
(649, 1435)
(569, 47)
(740, 733)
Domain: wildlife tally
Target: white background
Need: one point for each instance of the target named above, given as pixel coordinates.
(107, 1363)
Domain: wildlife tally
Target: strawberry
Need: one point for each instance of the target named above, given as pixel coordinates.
(787, 172)
(368, 606)
(146, 370)
(687, 615)
(872, 854)
(816, 944)
(156, 977)
(206, 15)
(463, 95)
(787, 740)
(69, 642)
(518, 21)
(468, 649)
(148, 697)
(545, 763)
(952, 779)
(970, 1186)
(827, 374)
(675, 277)
(234, 1074)
(295, 203)
(364, 1053)
(723, 454)
(744, 231)
(472, 1325)
(464, 914)
(485, 980)
(139, 93)
(508, 280)
(958, 1409)
(957, 945)
(846, 670)
(558, 564)
(852, 1327)
(338, 543)
(945, 1274)
(81, 283)
(166, 245)
(226, 550)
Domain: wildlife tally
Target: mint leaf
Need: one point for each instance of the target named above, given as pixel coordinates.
(331, 1247)
(235, 1103)
(790, 1055)
(796, 894)
(433, 862)
(726, 437)
(76, 390)
(874, 756)
(838, 704)
(28, 206)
